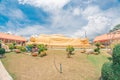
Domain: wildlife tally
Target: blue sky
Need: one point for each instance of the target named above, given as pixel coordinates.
(69, 17)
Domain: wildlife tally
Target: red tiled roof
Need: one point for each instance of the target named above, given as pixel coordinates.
(11, 37)
(106, 37)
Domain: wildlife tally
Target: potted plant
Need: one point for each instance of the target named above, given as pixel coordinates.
(35, 54)
(17, 51)
(34, 50)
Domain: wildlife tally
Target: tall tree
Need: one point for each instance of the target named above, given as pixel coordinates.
(117, 27)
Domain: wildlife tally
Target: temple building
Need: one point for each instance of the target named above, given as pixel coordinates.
(109, 38)
(10, 38)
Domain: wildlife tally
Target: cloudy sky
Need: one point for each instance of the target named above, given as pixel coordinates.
(69, 17)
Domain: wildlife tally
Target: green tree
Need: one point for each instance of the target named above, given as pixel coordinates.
(69, 49)
(111, 70)
(117, 27)
(97, 49)
(2, 50)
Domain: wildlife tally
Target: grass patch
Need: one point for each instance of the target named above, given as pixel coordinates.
(98, 60)
(12, 75)
(6, 64)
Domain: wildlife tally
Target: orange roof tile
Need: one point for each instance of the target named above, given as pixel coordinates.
(11, 37)
(106, 37)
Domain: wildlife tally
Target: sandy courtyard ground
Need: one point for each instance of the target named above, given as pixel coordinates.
(26, 67)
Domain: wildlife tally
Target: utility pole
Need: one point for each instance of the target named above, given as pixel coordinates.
(85, 35)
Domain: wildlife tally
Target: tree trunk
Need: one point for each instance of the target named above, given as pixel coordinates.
(68, 54)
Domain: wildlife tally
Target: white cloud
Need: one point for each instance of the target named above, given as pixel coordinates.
(65, 22)
(17, 14)
(31, 30)
(91, 10)
(46, 4)
(92, 19)
(12, 13)
(96, 25)
(76, 11)
(73, 21)
(99, 21)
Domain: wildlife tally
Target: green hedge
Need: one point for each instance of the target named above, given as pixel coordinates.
(2, 51)
(107, 71)
(111, 70)
(21, 48)
(0, 45)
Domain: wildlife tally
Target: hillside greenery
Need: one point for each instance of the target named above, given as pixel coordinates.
(117, 27)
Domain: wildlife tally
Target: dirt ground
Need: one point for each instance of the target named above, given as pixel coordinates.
(26, 67)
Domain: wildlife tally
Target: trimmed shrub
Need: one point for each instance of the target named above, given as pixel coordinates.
(116, 61)
(116, 55)
(69, 49)
(11, 46)
(14, 44)
(111, 70)
(97, 49)
(18, 47)
(29, 47)
(107, 71)
(42, 48)
(23, 49)
(0, 45)
(2, 51)
(97, 44)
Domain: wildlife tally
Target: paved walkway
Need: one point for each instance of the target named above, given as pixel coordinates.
(4, 75)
